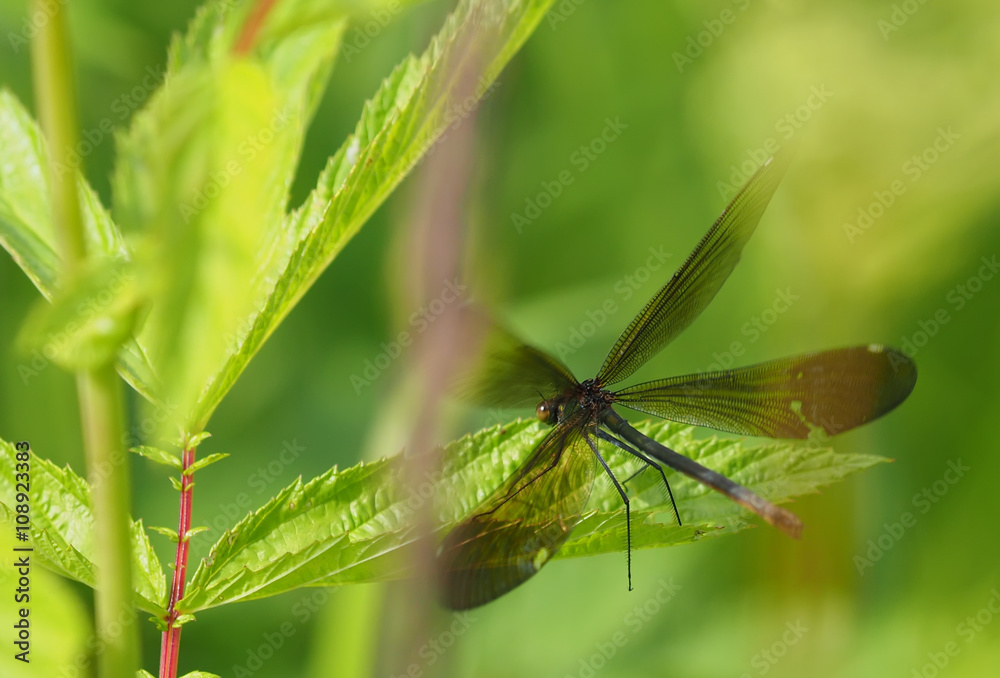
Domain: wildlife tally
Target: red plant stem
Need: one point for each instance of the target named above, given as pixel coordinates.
(252, 26)
(171, 644)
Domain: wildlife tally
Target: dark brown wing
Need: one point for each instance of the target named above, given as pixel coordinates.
(516, 530)
(697, 281)
(508, 372)
(832, 392)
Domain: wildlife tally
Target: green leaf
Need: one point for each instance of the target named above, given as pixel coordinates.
(59, 618)
(196, 440)
(150, 582)
(356, 525)
(183, 619)
(193, 531)
(89, 319)
(193, 674)
(412, 109)
(26, 227)
(166, 532)
(778, 471)
(159, 622)
(202, 463)
(202, 179)
(62, 526)
(27, 231)
(159, 456)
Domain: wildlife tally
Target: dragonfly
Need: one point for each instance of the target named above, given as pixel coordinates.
(517, 529)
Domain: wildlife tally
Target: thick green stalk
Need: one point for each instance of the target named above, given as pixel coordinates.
(107, 464)
(99, 389)
(54, 98)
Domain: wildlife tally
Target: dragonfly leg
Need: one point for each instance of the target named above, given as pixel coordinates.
(649, 463)
(624, 496)
(617, 443)
(635, 475)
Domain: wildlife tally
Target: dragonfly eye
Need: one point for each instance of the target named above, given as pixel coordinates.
(544, 412)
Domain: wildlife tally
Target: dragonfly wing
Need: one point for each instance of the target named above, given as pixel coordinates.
(696, 282)
(833, 391)
(516, 530)
(508, 372)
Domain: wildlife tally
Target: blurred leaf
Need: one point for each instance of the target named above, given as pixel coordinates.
(60, 621)
(353, 526)
(26, 228)
(203, 174)
(413, 108)
(199, 674)
(62, 526)
(25, 215)
(89, 319)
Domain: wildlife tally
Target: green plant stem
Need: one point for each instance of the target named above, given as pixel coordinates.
(252, 27)
(101, 411)
(54, 98)
(98, 389)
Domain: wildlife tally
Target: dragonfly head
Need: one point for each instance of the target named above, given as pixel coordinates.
(548, 412)
(555, 410)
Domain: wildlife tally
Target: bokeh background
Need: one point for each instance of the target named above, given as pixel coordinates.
(695, 90)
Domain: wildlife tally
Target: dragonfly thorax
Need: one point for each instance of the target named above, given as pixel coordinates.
(587, 396)
(592, 396)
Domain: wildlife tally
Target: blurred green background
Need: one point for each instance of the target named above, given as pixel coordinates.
(695, 89)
